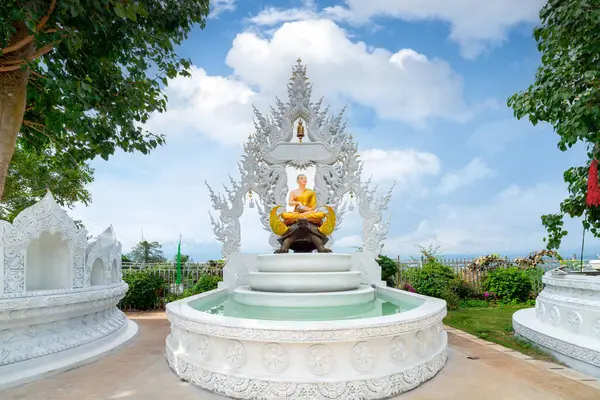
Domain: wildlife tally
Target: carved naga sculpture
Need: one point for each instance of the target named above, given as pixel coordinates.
(304, 229)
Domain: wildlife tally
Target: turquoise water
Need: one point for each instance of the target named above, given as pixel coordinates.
(225, 305)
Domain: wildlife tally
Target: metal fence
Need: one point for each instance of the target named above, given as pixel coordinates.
(190, 273)
(475, 277)
(463, 267)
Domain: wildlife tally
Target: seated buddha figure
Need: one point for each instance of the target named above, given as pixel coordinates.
(304, 202)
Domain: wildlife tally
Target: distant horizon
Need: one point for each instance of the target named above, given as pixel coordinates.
(588, 255)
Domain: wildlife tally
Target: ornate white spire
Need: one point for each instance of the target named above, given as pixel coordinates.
(271, 149)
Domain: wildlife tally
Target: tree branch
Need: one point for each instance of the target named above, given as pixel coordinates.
(34, 126)
(46, 17)
(20, 44)
(10, 68)
(28, 122)
(37, 75)
(46, 49)
(26, 40)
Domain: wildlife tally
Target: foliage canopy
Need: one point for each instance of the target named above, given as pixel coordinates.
(79, 78)
(566, 94)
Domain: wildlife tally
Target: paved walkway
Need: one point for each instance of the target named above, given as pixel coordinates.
(140, 372)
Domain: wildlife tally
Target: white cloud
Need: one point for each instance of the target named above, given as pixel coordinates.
(509, 223)
(274, 16)
(220, 6)
(215, 106)
(474, 24)
(474, 171)
(406, 167)
(405, 86)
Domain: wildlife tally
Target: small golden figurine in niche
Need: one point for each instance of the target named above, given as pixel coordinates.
(300, 131)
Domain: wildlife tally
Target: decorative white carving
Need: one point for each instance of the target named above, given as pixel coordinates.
(596, 328)
(398, 350)
(566, 319)
(44, 216)
(275, 357)
(554, 316)
(107, 249)
(574, 320)
(540, 309)
(236, 354)
(41, 324)
(363, 357)
(204, 347)
(421, 343)
(250, 388)
(263, 168)
(569, 349)
(319, 359)
(435, 331)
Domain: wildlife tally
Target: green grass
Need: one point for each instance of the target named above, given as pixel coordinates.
(495, 325)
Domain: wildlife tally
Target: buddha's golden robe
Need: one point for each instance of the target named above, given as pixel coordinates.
(308, 198)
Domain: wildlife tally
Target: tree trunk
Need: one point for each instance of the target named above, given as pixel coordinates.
(13, 97)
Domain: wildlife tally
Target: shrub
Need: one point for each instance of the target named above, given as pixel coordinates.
(464, 289)
(452, 299)
(510, 285)
(207, 283)
(433, 279)
(204, 284)
(145, 291)
(389, 269)
(437, 280)
(469, 303)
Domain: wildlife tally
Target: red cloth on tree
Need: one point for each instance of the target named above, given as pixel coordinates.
(593, 193)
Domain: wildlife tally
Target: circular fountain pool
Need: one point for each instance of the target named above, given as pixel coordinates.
(387, 344)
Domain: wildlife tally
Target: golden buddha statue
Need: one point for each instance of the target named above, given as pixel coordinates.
(304, 228)
(304, 202)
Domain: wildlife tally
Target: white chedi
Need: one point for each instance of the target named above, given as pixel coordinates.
(58, 295)
(103, 257)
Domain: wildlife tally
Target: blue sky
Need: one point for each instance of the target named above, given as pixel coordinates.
(426, 84)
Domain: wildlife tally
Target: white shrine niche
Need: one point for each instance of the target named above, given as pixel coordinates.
(57, 298)
(274, 147)
(114, 272)
(97, 277)
(48, 262)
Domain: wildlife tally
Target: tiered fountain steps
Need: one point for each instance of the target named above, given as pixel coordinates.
(304, 280)
(362, 295)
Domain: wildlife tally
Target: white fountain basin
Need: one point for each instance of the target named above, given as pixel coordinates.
(304, 262)
(369, 358)
(307, 282)
(362, 295)
(566, 320)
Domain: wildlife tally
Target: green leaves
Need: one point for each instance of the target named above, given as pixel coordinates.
(566, 94)
(89, 96)
(120, 11)
(31, 173)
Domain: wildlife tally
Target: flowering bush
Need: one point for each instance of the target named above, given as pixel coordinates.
(406, 286)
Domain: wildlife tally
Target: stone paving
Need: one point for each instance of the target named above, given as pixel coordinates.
(476, 370)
